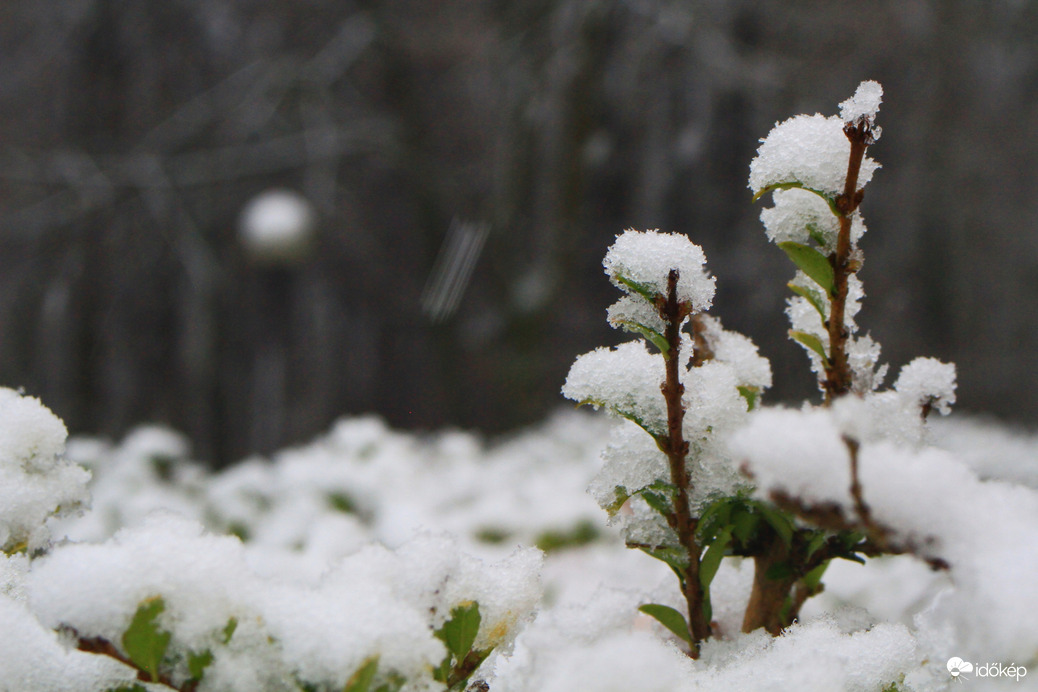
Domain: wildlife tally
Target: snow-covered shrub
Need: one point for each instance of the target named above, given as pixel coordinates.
(699, 472)
(146, 598)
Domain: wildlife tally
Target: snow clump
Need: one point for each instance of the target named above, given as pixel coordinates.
(864, 104)
(645, 260)
(36, 481)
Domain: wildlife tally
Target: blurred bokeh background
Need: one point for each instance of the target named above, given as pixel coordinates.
(463, 166)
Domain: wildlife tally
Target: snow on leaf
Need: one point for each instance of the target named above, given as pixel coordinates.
(144, 641)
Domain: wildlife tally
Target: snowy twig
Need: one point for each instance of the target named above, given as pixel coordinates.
(830, 517)
(838, 372)
(673, 313)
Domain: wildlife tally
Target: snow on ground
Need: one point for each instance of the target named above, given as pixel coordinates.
(313, 518)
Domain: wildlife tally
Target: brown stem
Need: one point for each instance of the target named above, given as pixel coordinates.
(860, 507)
(830, 517)
(675, 447)
(769, 591)
(100, 645)
(838, 375)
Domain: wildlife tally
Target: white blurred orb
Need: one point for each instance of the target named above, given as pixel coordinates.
(276, 227)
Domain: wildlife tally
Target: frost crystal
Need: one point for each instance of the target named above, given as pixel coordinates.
(646, 259)
(864, 104)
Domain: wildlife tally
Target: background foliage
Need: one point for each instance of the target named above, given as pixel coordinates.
(131, 135)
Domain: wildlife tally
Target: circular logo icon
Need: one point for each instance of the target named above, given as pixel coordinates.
(956, 666)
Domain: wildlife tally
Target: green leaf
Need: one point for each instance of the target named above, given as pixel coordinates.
(459, 633)
(197, 663)
(816, 542)
(669, 618)
(711, 561)
(829, 199)
(228, 630)
(641, 289)
(778, 520)
(393, 684)
(751, 394)
(813, 578)
(811, 262)
(657, 339)
(144, 642)
(360, 681)
(816, 235)
(813, 297)
(810, 341)
(342, 502)
(716, 516)
(620, 496)
(744, 524)
(581, 534)
(658, 502)
(629, 415)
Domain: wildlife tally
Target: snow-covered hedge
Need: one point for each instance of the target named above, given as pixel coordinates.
(376, 561)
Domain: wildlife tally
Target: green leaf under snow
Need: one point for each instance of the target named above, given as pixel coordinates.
(228, 630)
(713, 518)
(711, 561)
(459, 633)
(829, 199)
(144, 642)
(750, 394)
(657, 339)
(816, 235)
(197, 663)
(658, 502)
(813, 297)
(393, 684)
(778, 520)
(810, 341)
(629, 415)
(361, 680)
(811, 262)
(620, 496)
(641, 289)
(669, 618)
(583, 533)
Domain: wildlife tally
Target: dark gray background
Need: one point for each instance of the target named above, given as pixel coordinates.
(132, 133)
